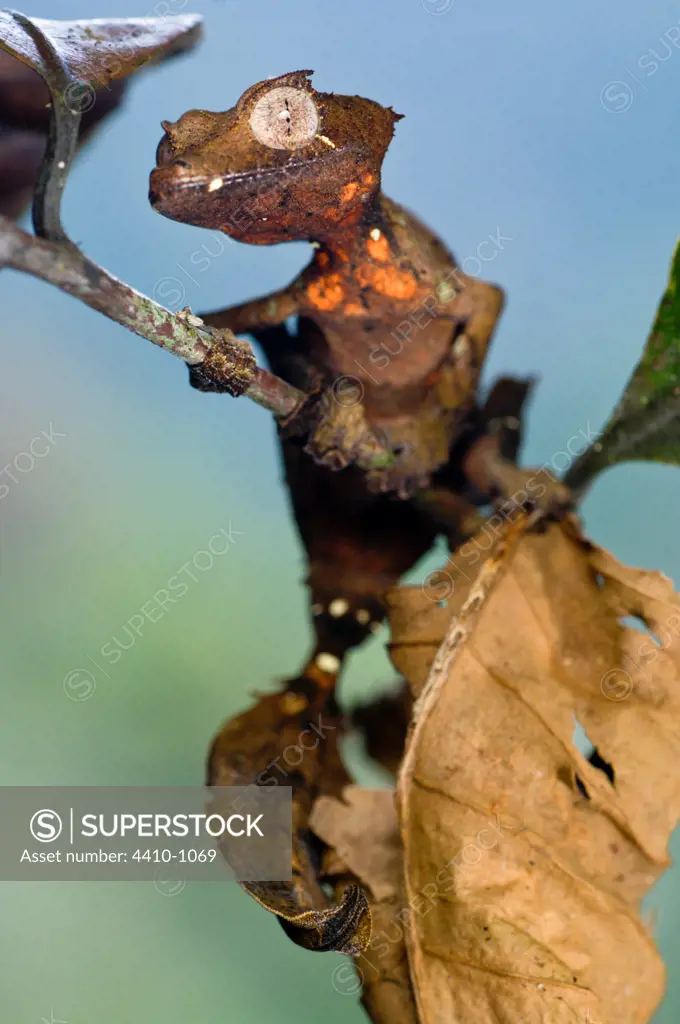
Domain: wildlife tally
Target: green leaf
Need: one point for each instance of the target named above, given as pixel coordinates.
(646, 422)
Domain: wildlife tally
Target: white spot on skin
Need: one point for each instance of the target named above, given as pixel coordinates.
(461, 347)
(215, 184)
(363, 616)
(376, 627)
(445, 291)
(317, 609)
(338, 607)
(292, 703)
(61, 165)
(375, 234)
(327, 662)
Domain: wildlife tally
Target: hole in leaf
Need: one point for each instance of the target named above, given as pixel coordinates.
(599, 762)
(581, 740)
(639, 624)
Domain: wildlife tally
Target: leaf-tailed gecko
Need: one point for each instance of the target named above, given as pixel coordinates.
(390, 333)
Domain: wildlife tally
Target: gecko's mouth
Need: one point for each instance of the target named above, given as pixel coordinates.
(177, 191)
(177, 181)
(249, 205)
(178, 178)
(259, 199)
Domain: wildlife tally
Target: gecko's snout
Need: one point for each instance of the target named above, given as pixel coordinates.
(177, 167)
(170, 189)
(165, 152)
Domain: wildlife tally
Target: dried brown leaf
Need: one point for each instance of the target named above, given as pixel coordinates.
(96, 52)
(363, 834)
(24, 124)
(524, 865)
(101, 50)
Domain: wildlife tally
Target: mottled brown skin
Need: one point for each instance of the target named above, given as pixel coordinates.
(381, 302)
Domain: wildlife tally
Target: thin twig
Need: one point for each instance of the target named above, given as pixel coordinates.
(62, 139)
(70, 270)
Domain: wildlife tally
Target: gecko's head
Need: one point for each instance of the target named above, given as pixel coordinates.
(286, 162)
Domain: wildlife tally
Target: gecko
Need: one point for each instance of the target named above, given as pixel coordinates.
(389, 331)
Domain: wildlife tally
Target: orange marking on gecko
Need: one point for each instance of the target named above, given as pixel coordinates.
(378, 248)
(326, 292)
(349, 191)
(354, 309)
(326, 680)
(398, 284)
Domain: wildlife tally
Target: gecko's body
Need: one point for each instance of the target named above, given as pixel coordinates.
(382, 308)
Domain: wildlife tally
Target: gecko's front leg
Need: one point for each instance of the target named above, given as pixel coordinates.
(492, 473)
(336, 434)
(256, 315)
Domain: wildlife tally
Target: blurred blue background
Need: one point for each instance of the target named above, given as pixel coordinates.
(553, 123)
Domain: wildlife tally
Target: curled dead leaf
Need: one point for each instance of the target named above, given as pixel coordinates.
(362, 834)
(101, 50)
(99, 53)
(525, 865)
(24, 122)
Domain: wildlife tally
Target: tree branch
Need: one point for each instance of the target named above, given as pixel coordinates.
(64, 266)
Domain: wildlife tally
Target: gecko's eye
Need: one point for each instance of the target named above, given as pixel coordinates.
(285, 118)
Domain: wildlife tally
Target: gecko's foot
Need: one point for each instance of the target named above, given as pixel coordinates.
(419, 446)
(509, 485)
(228, 368)
(336, 434)
(403, 478)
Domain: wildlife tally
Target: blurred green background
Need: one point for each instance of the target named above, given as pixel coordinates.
(543, 121)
